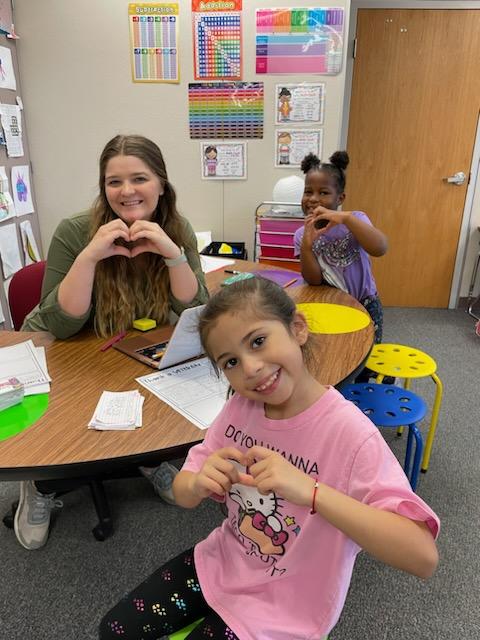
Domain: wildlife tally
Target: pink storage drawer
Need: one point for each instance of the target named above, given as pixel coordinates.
(282, 239)
(277, 252)
(282, 226)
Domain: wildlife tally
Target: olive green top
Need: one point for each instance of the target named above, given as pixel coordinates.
(69, 240)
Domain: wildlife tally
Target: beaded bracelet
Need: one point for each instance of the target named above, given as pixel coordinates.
(315, 487)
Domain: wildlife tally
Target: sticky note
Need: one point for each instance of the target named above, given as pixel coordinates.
(144, 324)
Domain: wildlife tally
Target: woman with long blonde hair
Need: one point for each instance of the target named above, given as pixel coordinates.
(131, 256)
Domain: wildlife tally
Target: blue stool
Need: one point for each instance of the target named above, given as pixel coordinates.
(392, 406)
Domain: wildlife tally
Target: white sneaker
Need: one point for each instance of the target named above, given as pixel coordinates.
(32, 518)
(162, 478)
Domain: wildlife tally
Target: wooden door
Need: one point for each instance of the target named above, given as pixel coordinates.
(413, 117)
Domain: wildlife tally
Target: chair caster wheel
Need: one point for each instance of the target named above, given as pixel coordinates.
(9, 518)
(99, 533)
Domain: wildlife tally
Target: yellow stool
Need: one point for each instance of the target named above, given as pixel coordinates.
(401, 361)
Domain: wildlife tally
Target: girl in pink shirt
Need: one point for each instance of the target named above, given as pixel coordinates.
(307, 479)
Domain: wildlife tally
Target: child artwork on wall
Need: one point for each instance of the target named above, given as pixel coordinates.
(22, 192)
(7, 75)
(224, 160)
(7, 208)
(292, 145)
(30, 249)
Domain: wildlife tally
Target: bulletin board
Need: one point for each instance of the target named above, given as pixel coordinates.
(17, 246)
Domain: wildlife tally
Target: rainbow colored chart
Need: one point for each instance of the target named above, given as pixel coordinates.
(153, 40)
(217, 45)
(226, 109)
(303, 40)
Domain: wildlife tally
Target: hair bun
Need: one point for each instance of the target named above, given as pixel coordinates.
(340, 159)
(310, 161)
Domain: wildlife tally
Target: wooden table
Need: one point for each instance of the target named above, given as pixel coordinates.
(59, 443)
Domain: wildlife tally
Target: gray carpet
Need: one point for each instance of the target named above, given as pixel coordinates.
(61, 591)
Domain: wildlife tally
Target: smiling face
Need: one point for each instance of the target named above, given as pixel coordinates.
(320, 190)
(263, 360)
(132, 189)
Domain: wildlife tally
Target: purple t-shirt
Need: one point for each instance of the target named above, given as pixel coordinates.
(273, 571)
(343, 261)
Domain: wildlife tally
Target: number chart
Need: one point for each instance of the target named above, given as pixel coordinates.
(306, 40)
(226, 109)
(154, 41)
(217, 42)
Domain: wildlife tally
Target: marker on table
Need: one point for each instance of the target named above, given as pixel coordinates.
(287, 284)
(232, 271)
(112, 341)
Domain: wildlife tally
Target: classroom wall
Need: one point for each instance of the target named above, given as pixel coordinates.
(78, 93)
(77, 89)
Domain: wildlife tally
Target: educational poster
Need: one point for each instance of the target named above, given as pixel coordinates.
(10, 255)
(217, 39)
(30, 249)
(299, 40)
(226, 109)
(292, 145)
(154, 41)
(299, 102)
(7, 208)
(11, 118)
(7, 75)
(224, 160)
(22, 191)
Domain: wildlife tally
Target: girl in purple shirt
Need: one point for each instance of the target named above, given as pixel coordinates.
(334, 246)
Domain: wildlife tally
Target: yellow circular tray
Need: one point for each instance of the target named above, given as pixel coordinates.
(323, 317)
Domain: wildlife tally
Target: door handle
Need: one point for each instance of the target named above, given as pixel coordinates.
(458, 178)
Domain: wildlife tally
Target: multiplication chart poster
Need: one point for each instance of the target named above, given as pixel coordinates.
(299, 102)
(217, 39)
(154, 41)
(292, 145)
(223, 160)
(299, 40)
(226, 109)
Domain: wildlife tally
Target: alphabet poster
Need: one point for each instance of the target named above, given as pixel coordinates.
(22, 191)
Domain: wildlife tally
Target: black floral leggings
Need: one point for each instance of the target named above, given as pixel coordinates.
(167, 601)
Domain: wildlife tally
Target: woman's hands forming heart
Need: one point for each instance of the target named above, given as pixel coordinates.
(142, 237)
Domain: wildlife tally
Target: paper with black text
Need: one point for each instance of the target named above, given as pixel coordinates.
(193, 389)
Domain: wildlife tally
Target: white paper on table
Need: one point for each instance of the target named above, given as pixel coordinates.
(11, 118)
(7, 75)
(121, 410)
(210, 263)
(9, 251)
(21, 361)
(30, 249)
(22, 190)
(44, 387)
(193, 389)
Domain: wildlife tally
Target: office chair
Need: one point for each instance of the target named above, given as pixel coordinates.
(23, 295)
(24, 292)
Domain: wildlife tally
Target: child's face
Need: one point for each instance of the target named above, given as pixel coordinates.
(211, 154)
(320, 190)
(261, 359)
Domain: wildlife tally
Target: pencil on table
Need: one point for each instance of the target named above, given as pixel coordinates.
(287, 284)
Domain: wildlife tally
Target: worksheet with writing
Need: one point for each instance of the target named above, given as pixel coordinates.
(193, 389)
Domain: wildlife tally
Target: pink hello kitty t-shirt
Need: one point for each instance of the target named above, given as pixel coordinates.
(272, 571)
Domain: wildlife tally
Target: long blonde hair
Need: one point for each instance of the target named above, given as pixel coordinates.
(122, 290)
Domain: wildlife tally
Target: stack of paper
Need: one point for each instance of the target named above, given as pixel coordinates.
(118, 411)
(28, 364)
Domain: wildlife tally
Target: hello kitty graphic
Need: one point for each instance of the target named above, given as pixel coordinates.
(258, 517)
